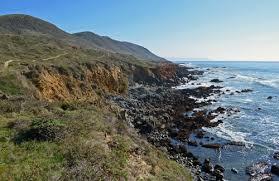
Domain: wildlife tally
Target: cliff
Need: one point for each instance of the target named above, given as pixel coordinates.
(57, 121)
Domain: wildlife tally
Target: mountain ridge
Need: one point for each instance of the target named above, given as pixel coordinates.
(20, 24)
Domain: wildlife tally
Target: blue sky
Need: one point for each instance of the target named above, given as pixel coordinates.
(217, 29)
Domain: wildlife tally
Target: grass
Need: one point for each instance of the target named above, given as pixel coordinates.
(70, 140)
(28, 161)
(9, 85)
(95, 146)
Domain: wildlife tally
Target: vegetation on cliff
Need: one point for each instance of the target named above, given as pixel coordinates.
(55, 120)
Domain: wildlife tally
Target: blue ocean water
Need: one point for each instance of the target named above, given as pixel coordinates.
(257, 123)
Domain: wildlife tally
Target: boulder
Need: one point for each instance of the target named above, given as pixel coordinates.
(247, 90)
(212, 146)
(192, 143)
(219, 167)
(207, 166)
(216, 81)
(269, 97)
(275, 169)
(234, 170)
(219, 175)
(276, 155)
(200, 134)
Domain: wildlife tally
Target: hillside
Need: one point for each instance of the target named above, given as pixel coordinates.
(26, 25)
(109, 44)
(57, 118)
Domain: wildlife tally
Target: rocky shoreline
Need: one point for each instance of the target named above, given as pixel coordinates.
(167, 117)
(172, 120)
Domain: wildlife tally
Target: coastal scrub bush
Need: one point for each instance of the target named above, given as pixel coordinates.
(41, 130)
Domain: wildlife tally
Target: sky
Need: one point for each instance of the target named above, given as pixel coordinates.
(214, 29)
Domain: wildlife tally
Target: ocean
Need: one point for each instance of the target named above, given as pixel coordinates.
(257, 123)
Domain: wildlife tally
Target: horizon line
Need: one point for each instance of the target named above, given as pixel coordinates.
(219, 60)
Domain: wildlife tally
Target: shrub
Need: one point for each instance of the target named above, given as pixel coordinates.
(42, 130)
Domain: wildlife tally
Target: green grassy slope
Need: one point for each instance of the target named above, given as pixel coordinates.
(27, 25)
(68, 140)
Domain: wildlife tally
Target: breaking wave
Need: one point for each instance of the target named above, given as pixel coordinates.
(274, 83)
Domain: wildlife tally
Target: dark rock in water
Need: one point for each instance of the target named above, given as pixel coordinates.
(207, 166)
(200, 134)
(219, 167)
(216, 81)
(257, 168)
(275, 169)
(219, 175)
(247, 90)
(234, 170)
(196, 162)
(181, 149)
(159, 90)
(212, 146)
(269, 97)
(276, 155)
(220, 122)
(220, 110)
(236, 143)
(192, 143)
(259, 108)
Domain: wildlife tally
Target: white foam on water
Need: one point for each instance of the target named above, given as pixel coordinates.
(224, 131)
(194, 84)
(187, 65)
(270, 82)
(201, 100)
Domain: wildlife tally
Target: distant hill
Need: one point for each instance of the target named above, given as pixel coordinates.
(27, 25)
(109, 44)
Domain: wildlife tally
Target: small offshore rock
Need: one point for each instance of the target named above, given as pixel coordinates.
(269, 97)
(236, 143)
(216, 81)
(192, 143)
(234, 170)
(219, 167)
(275, 169)
(212, 146)
(276, 155)
(200, 134)
(207, 166)
(218, 174)
(246, 90)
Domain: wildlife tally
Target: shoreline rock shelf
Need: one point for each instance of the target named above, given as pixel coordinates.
(159, 114)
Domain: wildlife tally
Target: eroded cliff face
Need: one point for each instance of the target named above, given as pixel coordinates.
(83, 82)
(162, 74)
(91, 82)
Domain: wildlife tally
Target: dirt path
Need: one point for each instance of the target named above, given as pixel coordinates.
(50, 58)
(6, 64)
